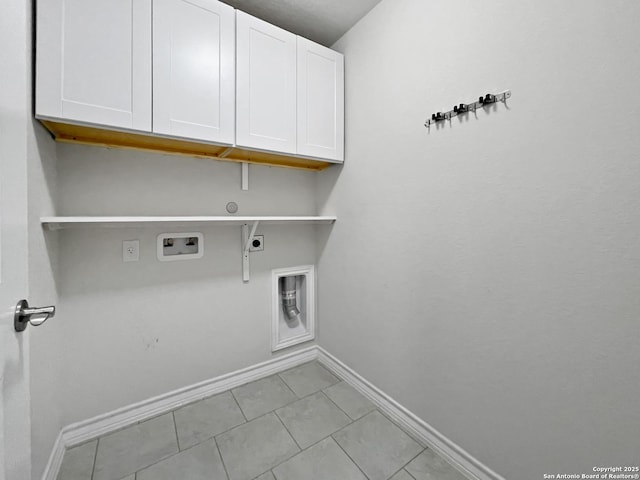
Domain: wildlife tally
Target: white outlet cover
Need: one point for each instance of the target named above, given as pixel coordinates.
(130, 250)
(260, 247)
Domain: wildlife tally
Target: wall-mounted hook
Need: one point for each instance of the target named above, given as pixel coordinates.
(489, 98)
(469, 107)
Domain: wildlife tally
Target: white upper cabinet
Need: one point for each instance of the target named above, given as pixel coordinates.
(266, 86)
(320, 101)
(94, 62)
(290, 92)
(194, 70)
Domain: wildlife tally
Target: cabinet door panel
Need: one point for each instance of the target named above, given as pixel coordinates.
(94, 62)
(320, 101)
(194, 69)
(266, 86)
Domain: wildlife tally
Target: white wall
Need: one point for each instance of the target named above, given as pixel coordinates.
(135, 330)
(46, 343)
(486, 273)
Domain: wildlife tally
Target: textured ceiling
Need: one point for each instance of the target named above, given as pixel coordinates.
(323, 21)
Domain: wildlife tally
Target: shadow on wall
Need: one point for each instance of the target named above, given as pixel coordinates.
(326, 181)
(465, 117)
(43, 177)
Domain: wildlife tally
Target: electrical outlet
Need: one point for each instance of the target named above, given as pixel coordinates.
(257, 244)
(130, 250)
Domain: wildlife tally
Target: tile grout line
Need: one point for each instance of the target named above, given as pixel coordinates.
(179, 451)
(408, 472)
(310, 446)
(338, 379)
(212, 436)
(238, 426)
(263, 415)
(345, 452)
(341, 409)
(95, 457)
(238, 404)
(403, 466)
(295, 398)
(397, 426)
(290, 434)
(171, 456)
(221, 459)
(175, 429)
(300, 452)
(419, 442)
(288, 387)
(285, 382)
(294, 439)
(348, 415)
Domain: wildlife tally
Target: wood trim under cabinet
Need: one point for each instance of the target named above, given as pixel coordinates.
(69, 133)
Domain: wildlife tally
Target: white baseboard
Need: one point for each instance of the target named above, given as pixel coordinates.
(81, 432)
(418, 428)
(55, 459)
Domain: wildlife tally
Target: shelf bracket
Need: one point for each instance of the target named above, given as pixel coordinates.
(52, 227)
(225, 152)
(247, 239)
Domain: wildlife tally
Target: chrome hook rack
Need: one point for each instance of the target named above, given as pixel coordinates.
(488, 99)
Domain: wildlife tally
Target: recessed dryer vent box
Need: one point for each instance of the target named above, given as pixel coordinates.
(293, 315)
(180, 246)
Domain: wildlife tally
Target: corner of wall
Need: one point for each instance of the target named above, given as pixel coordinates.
(45, 342)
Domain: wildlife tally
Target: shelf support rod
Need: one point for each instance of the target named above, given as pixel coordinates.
(245, 176)
(247, 239)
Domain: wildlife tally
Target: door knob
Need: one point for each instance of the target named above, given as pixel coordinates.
(25, 315)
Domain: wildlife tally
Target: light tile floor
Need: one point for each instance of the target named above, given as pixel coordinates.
(302, 424)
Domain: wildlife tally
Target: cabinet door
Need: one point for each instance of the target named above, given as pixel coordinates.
(194, 69)
(320, 101)
(94, 62)
(266, 86)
